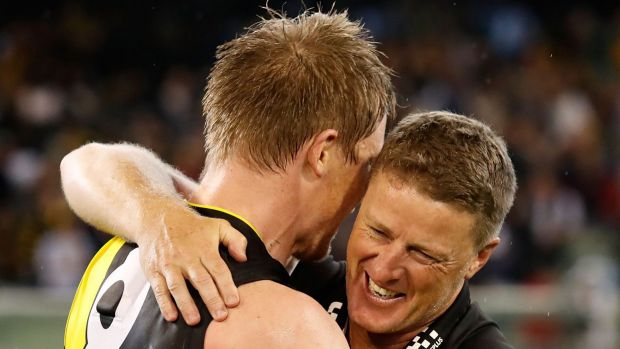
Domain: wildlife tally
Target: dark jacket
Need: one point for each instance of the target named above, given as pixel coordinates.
(464, 325)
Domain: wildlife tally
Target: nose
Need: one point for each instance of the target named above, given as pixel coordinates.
(387, 266)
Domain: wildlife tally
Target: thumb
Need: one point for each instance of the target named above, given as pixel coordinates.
(234, 240)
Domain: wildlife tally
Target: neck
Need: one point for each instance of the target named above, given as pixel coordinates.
(267, 200)
(361, 338)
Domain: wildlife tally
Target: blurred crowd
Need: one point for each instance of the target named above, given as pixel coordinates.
(546, 78)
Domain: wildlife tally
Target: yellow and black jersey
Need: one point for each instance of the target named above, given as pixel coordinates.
(114, 306)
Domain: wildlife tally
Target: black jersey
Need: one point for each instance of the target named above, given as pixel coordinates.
(462, 326)
(325, 282)
(114, 306)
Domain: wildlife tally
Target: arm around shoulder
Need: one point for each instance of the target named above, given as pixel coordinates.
(128, 191)
(111, 185)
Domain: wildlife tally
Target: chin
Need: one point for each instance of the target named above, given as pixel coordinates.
(375, 316)
(375, 323)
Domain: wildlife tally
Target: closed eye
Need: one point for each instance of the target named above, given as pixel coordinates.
(422, 256)
(377, 233)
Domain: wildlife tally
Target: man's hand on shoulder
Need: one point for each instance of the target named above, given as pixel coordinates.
(127, 190)
(184, 245)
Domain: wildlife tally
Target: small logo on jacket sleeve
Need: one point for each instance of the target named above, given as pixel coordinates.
(333, 308)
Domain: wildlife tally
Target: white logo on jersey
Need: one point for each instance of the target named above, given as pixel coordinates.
(331, 310)
(134, 294)
(425, 344)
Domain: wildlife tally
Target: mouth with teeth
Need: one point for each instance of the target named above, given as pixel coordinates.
(380, 292)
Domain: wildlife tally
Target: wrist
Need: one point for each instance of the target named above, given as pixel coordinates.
(156, 218)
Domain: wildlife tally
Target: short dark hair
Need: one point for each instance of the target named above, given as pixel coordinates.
(456, 160)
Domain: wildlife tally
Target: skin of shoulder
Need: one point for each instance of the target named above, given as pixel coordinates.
(272, 316)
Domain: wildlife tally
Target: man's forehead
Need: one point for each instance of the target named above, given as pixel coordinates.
(385, 178)
(412, 237)
(409, 212)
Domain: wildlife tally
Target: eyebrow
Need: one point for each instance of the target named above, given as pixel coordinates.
(376, 224)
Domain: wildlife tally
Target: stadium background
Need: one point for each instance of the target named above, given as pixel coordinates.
(545, 76)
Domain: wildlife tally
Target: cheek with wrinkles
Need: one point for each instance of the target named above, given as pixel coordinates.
(368, 234)
(441, 268)
(359, 237)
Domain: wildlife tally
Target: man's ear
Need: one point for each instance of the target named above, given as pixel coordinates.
(482, 258)
(322, 149)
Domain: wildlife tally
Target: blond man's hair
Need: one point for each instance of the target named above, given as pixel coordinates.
(456, 160)
(287, 79)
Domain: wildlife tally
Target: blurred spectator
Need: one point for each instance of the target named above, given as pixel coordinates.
(23, 168)
(557, 214)
(63, 251)
(593, 281)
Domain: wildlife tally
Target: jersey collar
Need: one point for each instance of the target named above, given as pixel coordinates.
(438, 331)
(204, 210)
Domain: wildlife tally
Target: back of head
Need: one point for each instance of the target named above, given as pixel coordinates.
(287, 79)
(456, 160)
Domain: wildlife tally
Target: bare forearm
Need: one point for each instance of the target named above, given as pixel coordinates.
(121, 188)
(128, 191)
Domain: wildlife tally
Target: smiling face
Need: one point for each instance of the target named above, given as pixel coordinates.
(440, 190)
(408, 256)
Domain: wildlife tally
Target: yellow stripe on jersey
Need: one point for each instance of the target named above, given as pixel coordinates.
(75, 330)
(216, 208)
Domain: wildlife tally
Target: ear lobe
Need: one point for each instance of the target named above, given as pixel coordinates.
(482, 257)
(321, 150)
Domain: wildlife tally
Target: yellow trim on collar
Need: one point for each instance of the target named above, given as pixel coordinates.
(260, 236)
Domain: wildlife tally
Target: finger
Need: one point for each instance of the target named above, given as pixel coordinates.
(162, 296)
(234, 240)
(223, 280)
(202, 281)
(184, 301)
